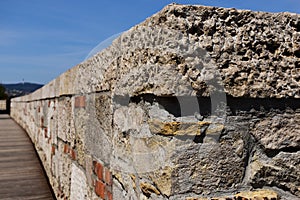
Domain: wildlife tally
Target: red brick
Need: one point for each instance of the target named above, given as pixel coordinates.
(73, 154)
(109, 195)
(46, 132)
(100, 189)
(42, 121)
(108, 178)
(53, 150)
(99, 171)
(80, 102)
(66, 148)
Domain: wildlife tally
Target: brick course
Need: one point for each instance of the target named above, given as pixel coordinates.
(80, 102)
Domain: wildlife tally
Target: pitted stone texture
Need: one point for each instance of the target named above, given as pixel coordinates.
(167, 65)
(257, 53)
(252, 54)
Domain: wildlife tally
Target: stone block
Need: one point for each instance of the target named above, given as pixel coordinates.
(79, 188)
(100, 189)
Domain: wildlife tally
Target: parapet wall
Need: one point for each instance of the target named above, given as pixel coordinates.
(2, 105)
(194, 103)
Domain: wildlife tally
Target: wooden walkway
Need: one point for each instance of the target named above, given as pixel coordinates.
(21, 174)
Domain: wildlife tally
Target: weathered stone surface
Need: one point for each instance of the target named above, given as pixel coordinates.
(204, 168)
(281, 171)
(177, 128)
(163, 180)
(248, 47)
(148, 189)
(245, 195)
(65, 124)
(194, 102)
(278, 132)
(260, 194)
(78, 184)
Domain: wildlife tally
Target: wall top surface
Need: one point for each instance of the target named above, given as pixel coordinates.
(193, 50)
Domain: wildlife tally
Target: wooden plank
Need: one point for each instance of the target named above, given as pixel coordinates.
(21, 173)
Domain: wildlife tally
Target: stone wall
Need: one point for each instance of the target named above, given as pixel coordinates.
(194, 103)
(2, 105)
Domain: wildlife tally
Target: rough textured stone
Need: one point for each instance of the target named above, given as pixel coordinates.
(278, 132)
(195, 102)
(281, 171)
(260, 194)
(78, 184)
(240, 42)
(177, 128)
(202, 169)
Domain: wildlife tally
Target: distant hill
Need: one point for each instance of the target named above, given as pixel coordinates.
(19, 89)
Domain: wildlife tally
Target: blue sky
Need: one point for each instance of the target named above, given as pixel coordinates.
(40, 39)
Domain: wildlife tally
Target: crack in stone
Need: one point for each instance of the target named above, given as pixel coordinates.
(271, 153)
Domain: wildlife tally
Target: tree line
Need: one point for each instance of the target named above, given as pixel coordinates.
(3, 94)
